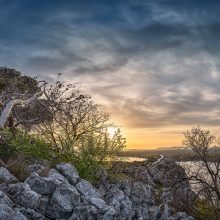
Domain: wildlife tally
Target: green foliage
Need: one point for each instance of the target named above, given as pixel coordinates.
(22, 142)
(96, 150)
(11, 79)
(88, 155)
(5, 150)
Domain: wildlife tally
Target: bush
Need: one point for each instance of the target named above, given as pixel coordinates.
(27, 144)
(89, 154)
(97, 150)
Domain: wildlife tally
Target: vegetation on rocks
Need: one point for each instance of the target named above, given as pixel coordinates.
(54, 122)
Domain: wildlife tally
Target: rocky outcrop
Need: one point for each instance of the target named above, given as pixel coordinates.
(62, 194)
(163, 175)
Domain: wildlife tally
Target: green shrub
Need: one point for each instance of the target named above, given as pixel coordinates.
(88, 155)
(95, 151)
(22, 142)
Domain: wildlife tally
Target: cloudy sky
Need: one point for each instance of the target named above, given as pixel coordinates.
(154, 64)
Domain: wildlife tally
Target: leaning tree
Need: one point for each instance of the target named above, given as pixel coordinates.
(21, 101)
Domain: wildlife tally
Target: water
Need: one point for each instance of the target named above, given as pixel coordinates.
(132, 159)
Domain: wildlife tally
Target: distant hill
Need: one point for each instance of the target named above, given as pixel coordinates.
(172, 148)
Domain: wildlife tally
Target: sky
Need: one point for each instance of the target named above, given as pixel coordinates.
(153, 64)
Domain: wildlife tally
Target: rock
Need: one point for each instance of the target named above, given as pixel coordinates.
(41, 185)
(86, 188)
(31, 214)
(114, 196)
(4, 199)
(63, 200)
(56, 177)
(97, 202)
(46, 185)
(6, 209)
(167, 196)
(119, 201)
(135, 170)
(109, 215)
(142, 214)
(84, 211)
(44, 204)
(7, 213)
(164, 213)
(142, 194)
(153, 212)
(23, 195)
(6, 176)
(35, 168)
(168, 174)
(126, 209)
(183, 216)
(68, 171)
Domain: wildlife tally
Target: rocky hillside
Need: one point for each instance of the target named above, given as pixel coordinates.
(147, 193)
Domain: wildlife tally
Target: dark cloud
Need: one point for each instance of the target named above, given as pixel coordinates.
(152, 63)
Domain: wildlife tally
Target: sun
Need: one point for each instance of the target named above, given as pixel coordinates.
(111, 131)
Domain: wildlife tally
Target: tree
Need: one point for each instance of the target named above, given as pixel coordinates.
(20, 99)
(203, 174)
(61, 115)
(78, 127)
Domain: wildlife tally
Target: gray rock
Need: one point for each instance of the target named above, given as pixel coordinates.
(4, 199)
(117, 199)
(142, 214)
(31, 214)
(168, 173)
(69, 171)
(135, 170)
(126, 209)
(85, 211)
(142, 194)
(35, 168)
(63, 200)
(183, 216)
(44, 204)
(153, 212)
(56, 177)
(41, 185)
(23, 195)
(6, 176)
(114, 196)
(97, 202)
(164, 213)
(109, 214)
(167, 196)
(86, 188)
(7, 213)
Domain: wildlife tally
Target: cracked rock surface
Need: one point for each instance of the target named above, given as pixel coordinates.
(63, 195)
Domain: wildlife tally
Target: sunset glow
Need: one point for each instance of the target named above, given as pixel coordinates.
(111, 131)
